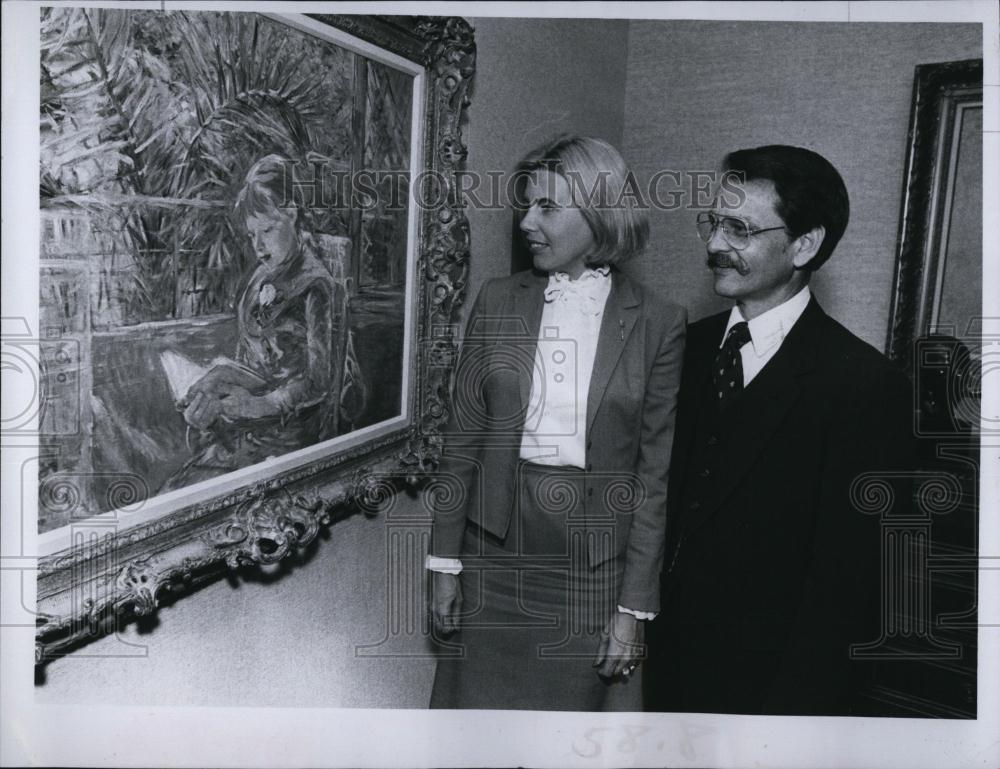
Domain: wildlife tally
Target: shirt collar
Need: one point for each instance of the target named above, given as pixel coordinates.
(769, 329)
(587, 294)
(588, 274)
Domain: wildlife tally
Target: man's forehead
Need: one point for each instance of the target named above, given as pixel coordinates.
(751, 199)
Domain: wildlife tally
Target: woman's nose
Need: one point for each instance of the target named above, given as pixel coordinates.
(528, 220)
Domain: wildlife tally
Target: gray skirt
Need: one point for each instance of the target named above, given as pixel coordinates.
(532, 610)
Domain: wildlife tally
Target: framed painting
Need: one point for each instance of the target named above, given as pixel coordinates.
(251, 253)
(936, 335)
(938, 278)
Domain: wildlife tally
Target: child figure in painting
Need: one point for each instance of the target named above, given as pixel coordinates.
(294, 360)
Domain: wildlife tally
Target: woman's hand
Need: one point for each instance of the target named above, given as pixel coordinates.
(622, 646)
(446, 602)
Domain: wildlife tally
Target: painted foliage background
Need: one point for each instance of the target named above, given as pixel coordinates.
(149, 122)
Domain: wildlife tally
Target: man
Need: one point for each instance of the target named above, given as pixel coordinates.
(771, 572)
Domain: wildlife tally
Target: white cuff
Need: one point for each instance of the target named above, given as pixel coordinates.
(646, 615)
(443, 565)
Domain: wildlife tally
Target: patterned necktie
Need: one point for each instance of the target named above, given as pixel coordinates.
(728, 372)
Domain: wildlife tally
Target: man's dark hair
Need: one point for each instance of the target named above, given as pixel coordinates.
(810, 191)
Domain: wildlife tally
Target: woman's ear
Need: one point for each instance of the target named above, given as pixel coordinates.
(806, 245)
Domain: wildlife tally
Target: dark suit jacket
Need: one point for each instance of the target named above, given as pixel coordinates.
(630, 423)
(771, 572)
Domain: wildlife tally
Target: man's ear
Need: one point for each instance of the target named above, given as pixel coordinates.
(805, 246)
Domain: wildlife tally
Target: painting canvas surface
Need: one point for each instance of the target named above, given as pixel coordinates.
(149, 123)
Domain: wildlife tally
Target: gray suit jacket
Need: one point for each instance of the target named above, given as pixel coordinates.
(630, 424)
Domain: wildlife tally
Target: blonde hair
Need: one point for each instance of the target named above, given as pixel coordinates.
(612, 203)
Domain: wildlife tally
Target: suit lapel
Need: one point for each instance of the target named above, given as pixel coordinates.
(620, 314)
(522, 319)
(763, 406)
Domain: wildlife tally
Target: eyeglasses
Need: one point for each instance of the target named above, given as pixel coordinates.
(736, 232)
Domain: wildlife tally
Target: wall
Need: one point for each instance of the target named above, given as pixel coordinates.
(697, 90)
(287, 639)
(290, 639)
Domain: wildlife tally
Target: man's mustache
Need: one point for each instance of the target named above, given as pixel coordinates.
(735, 261)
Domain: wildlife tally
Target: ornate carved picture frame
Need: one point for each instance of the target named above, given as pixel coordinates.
(943, 95)
(105, 564)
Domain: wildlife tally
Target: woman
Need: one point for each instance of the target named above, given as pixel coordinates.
(559, 442)
(285, 388)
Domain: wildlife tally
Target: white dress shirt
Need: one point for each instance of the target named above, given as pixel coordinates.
(556, 420)
(767, 332)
